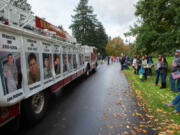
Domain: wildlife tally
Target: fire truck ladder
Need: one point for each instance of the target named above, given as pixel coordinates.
(15, 16)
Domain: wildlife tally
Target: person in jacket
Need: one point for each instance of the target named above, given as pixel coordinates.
(163, 71)
(108, 60)
(144, 64)
(123, 62)
(150, 64)
(157, 66)
(175, 67)
(138, 61)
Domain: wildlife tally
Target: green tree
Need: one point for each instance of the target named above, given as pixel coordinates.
(83, 23)
(102, 38)
(158, 26)
(87, 29)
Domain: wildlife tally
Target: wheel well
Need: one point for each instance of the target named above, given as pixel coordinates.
(47, 91)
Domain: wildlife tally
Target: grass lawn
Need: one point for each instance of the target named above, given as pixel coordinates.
(154, 99)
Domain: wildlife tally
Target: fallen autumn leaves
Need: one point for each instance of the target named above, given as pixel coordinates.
(151, 99)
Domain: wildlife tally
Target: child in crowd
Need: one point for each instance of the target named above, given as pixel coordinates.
(142, 73)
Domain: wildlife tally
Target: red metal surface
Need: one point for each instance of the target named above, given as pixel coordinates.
(13, 111)
(74, 76)
(57, 85)
(42, 24)
(79, 73)
(67, 79)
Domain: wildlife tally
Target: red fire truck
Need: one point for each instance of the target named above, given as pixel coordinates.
(36, 59)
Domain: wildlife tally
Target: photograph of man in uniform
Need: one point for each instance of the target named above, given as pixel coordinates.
(33, 71)
(57, 66)
(11, 74)
(47, 66)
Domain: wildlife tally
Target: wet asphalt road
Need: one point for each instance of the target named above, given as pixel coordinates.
(102, 104)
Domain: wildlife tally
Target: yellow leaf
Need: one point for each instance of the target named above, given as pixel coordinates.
(115, 115)
(133, 132)
(170, 131)
(144, 131)
(125, 133)
(159, 110)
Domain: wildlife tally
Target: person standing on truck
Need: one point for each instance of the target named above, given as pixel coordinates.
(11, 74)
(34, 71)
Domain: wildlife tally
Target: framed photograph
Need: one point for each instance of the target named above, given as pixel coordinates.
(10, 71)
(47, 65)
(33, 69)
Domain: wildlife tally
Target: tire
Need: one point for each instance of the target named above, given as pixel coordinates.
(14, 125)
(87, 73)
(94, 70)
(35, 107)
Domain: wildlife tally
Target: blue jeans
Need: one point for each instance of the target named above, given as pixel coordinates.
(163, 78)
(172, 82)
(176, 101)
(157, 76)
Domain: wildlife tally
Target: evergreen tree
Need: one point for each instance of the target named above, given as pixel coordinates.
(83, 23)
(86, 28)
(102, 38)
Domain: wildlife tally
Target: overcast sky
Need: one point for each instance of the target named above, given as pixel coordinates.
(115, 15)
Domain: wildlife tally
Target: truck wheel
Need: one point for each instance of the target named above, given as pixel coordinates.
(87, 72)
(94, 70)
(35, 107)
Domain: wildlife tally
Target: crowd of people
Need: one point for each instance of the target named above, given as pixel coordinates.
(143, 66)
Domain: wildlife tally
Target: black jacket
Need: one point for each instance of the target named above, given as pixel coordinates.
(163, 68)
